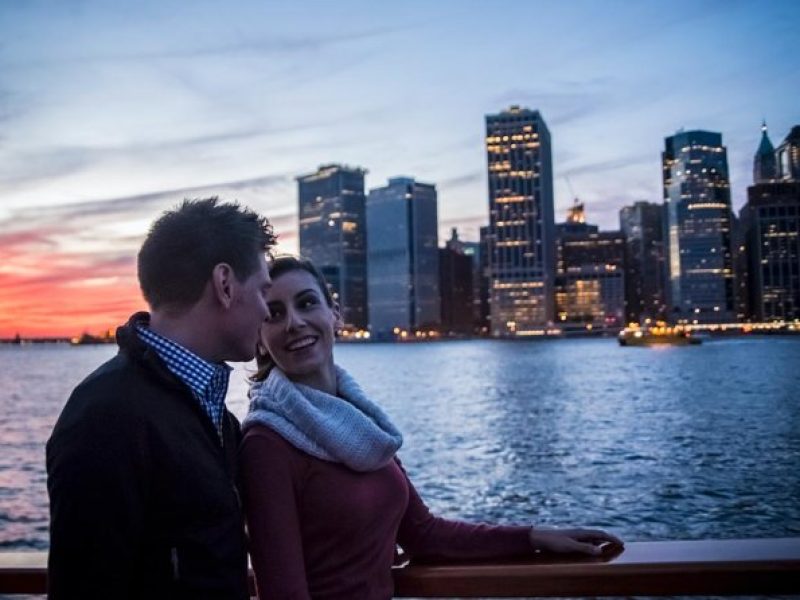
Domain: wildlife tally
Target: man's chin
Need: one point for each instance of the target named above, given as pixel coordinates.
(242, 356)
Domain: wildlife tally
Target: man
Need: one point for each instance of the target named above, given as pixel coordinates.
(141, 464)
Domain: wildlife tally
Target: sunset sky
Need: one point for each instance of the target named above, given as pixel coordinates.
(113, 112)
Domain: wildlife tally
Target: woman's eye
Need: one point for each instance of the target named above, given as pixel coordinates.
(275, 314)
(306, 302)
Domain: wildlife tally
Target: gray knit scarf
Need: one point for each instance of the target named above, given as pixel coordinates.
(347, 428)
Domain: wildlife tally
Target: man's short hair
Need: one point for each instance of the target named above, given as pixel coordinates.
(185, 244)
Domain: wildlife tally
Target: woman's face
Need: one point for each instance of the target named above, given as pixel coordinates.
(299, 333)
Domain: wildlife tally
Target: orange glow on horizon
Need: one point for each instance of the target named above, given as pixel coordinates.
(51, 294)
(52, 290)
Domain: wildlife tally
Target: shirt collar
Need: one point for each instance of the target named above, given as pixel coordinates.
(200, 375)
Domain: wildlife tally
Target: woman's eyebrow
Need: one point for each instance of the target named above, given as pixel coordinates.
(306, 291)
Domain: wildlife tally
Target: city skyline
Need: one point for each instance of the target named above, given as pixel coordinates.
(109, 116)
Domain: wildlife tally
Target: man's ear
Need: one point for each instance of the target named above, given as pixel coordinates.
(223, 281)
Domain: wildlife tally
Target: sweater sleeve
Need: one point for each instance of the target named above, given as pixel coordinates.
(424, 536)
(269, 480)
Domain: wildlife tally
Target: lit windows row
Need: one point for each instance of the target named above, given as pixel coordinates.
(702, 205)
(496, 285)
(516, 137)
(512, 199)
(522, 174)
(703, 148)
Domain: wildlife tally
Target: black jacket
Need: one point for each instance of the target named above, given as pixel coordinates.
(143, 502)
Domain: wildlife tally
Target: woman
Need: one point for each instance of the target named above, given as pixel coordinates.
(326, 500)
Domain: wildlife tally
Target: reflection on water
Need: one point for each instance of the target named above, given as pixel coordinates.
(669, 443)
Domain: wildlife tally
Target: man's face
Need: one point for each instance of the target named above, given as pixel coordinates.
(247, 313)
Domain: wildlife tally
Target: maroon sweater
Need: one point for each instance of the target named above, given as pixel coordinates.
(320, 530)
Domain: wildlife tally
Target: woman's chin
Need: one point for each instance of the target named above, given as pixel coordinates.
(302, 369)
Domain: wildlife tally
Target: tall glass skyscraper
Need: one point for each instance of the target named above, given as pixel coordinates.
(697, 204)
(521, 222)
(403, 257)
(642, 224)
(333, 235)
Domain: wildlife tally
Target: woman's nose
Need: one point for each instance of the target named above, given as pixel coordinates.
(293, 320)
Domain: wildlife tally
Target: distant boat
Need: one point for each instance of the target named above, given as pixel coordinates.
(660, 333)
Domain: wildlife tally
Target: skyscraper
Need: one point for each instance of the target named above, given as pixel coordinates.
(770, 238)
(333, 235)
(456, 286)
(788, 156)
(642, 225)
(403, 257)
(698, 228)
(590, 274)
(521, 222)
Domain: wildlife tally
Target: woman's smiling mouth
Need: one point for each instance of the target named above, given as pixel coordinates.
(300, 344)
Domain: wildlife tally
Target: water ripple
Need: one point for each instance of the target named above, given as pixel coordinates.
(677, 443)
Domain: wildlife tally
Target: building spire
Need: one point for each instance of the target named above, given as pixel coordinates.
(765, 166)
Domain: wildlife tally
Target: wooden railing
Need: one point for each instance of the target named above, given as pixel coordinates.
(690, 568)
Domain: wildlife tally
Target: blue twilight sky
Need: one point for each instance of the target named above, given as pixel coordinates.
(111, 112)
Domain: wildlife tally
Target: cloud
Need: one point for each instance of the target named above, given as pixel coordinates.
(76, 253)
(561, 102)
(25, 168)
(139, 204)
(470, 221)
(264, 45)
(46, 293)
(467, 179)
(57, 161)
(604, 166)
(26, 238)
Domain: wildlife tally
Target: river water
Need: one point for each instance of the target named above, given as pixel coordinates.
(650, 443)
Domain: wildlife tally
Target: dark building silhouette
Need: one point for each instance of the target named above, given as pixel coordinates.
(769, 239)
(483, 319)
(473, 250)
(521, 223)
(590, 281)
(456, 287)
(741, 269)
(403, 257)
(333, 235)
(642, 226)
(697, 228)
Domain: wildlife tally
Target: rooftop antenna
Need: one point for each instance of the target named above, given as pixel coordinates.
(569, 187)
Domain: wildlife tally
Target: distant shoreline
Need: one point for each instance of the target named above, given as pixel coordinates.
(570, 336)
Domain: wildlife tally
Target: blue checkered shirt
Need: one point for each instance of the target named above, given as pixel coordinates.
(208, 381)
